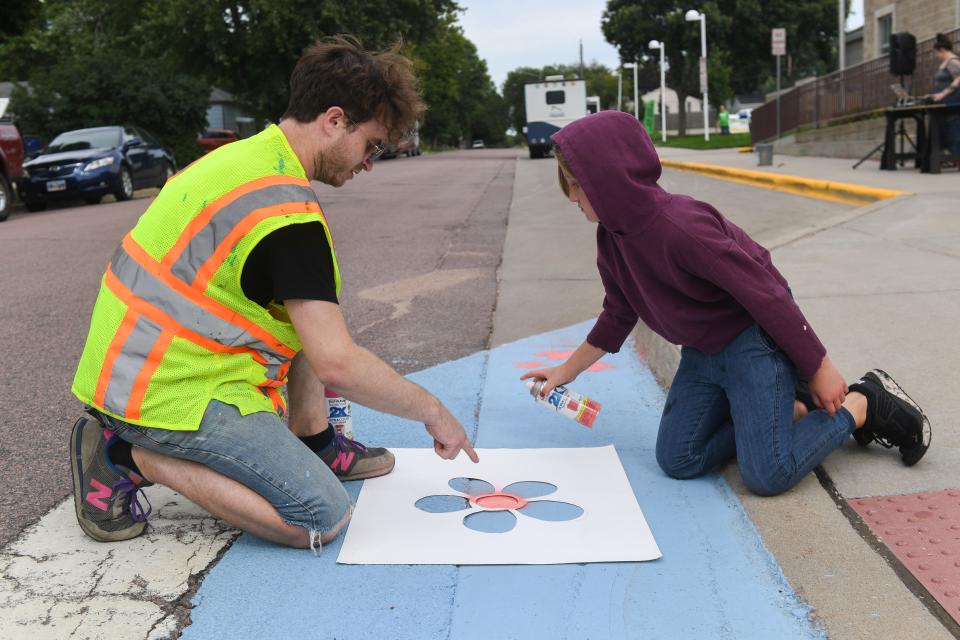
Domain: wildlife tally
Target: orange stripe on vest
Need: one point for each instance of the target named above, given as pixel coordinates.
(113, 351)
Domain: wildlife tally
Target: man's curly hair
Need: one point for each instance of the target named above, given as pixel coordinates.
(367, 85)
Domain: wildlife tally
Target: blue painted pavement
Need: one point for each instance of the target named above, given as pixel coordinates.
(716, 578)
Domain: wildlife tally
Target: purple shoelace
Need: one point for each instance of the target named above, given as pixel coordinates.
(343, 443)
(128, 487)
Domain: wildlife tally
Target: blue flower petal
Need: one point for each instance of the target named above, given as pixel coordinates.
(551, 510)
(442, 504)
(471, 486)
(530, 489)
(490, 521)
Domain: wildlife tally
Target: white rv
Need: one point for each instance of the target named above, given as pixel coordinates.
(552, 104)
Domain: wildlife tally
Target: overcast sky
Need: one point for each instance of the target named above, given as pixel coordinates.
(515, 33)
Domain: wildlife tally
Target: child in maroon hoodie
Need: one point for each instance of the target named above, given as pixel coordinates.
(701, 282)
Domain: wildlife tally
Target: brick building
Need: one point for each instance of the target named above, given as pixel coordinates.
(923, 18)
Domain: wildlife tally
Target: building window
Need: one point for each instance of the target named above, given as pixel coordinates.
(556, 97)
(885, 26)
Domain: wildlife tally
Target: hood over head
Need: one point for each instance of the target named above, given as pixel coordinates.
(616, 164)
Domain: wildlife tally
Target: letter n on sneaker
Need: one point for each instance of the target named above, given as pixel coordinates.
(97, 496)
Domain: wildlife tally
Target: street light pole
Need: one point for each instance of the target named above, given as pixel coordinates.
(692, 16)
(619, 87)
(658, 44)
(633, 65)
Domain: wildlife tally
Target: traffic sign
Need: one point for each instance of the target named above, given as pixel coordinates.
(778, 42)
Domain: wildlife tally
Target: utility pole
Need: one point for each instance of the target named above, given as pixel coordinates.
(582, 77)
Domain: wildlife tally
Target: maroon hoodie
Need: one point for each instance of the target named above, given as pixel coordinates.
(690, 274)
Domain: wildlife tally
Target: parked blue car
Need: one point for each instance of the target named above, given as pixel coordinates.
(87, 164)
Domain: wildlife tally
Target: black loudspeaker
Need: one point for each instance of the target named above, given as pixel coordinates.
(903, 54)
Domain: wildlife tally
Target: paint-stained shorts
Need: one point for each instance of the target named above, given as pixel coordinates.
(259, 451)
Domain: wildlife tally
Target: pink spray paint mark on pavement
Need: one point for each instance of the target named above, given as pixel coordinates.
(563, 355)
(529, 365)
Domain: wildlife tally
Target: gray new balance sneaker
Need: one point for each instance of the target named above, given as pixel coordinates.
(350, 460)
(104, 494)
(893, 418)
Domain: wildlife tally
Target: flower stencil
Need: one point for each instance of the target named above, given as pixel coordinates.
(498, 507)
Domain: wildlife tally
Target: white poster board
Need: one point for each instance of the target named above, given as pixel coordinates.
(387, 527)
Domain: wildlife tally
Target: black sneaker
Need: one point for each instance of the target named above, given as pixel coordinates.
(104, 494)
(350, 460)
(893, 418)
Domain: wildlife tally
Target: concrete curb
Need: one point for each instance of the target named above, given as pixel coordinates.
(660, 355)
(844, 192)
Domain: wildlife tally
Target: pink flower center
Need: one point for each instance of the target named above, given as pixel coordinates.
(499, 500)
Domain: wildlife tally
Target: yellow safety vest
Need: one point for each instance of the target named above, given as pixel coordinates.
(172, 329)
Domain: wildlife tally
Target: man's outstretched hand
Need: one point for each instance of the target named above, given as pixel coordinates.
(449, 437)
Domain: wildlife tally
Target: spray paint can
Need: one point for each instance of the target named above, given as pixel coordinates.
(339, 413)
(566, 402)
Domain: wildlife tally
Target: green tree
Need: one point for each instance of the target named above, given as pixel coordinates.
(630, 25)
(154, 61)
(18, 16)
(249, 47)
(811, 40)
(738, 41)
(462, 100)
(94, 73)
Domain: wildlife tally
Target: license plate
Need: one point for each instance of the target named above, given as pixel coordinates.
(56, 185)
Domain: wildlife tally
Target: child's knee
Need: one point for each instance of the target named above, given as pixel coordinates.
(767, 483)
(680, 467)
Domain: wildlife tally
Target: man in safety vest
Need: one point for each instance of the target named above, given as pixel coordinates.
(225, 293)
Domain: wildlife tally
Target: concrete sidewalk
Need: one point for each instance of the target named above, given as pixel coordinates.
(879, 285)
(881, 290)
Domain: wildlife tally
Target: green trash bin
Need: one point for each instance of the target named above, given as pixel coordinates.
(764, 154)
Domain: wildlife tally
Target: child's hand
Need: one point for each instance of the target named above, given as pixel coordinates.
(828, 387)
(554, 376)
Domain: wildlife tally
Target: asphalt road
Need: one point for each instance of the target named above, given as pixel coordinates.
(419, 241)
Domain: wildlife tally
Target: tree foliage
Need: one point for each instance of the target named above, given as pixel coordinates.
(738, 40)
(249, 47)
(154, 62)
(464, 104)
(87, 68)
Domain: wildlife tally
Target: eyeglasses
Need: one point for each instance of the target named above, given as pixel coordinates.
(374, 149)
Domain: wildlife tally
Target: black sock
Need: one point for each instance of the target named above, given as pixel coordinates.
(121, 452)
(319, 441)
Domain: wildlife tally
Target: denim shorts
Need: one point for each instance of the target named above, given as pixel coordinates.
(260, 452)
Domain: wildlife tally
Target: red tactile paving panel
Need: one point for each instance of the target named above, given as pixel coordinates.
(923, 531)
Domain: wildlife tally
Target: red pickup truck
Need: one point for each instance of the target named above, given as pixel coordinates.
(11, 162)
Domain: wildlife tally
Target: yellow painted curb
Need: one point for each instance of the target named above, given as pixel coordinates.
(844, 192)
(745, 149)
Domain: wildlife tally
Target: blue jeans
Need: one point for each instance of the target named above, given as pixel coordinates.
(738, 403)
(258, 451)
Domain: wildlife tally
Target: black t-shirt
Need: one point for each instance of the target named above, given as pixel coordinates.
(293, 262)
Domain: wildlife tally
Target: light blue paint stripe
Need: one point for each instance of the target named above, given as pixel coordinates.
(715, 580)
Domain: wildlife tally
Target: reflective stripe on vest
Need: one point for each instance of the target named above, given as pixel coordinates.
(137, 347)
(222, 224)
(167, 299)
(186, 307)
